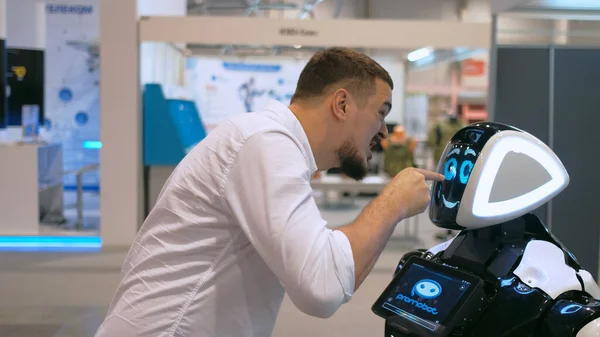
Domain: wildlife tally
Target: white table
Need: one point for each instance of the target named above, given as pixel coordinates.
(27, 170)
(371, 184)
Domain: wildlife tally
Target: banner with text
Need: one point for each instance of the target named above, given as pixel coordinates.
(72, 83)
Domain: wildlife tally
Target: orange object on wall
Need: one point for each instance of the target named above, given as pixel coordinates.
(473, 67)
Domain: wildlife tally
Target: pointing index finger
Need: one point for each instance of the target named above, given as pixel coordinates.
(430, 175)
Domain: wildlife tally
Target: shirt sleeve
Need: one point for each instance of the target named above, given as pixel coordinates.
(269, 193)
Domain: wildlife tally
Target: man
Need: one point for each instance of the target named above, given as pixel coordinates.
(235, 226)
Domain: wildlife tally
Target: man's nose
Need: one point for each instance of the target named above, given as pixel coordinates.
(383, 132)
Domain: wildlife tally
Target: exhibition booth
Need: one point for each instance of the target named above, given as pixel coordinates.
(49, 124)
(240, 69)
(173, 79)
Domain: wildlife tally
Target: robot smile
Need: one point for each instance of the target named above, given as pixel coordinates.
(449, 204)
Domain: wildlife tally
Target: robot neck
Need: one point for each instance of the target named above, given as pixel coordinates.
(492, 252)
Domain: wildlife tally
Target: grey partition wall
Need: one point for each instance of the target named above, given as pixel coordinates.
(577, 144)
(554, 93)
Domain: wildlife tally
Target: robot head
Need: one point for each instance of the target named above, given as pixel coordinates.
(493, 173)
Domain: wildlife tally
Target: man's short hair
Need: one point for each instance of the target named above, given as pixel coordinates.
(340, 67)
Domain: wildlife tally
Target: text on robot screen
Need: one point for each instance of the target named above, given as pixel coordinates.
(417, 304)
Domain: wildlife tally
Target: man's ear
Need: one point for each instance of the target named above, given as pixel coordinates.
(340, 104)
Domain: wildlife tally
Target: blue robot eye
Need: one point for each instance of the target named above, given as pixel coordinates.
(465, 171)
(450, 169)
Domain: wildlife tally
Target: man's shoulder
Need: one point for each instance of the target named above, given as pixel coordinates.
(258, 124)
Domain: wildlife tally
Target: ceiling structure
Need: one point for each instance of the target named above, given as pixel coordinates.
(571, 9)
(302, 9)
(332, 9)
(453, 10)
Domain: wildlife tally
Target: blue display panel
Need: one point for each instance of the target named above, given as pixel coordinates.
(425, 296)
(171, 127)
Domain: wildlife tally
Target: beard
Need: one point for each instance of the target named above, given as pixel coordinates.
(351, 163)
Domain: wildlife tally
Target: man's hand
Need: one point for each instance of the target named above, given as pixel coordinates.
(405, 196)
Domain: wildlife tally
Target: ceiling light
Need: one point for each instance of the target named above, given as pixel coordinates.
(419, 54)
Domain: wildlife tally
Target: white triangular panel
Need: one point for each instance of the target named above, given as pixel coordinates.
(477, 211)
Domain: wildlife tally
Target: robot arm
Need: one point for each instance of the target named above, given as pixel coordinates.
(577, 316)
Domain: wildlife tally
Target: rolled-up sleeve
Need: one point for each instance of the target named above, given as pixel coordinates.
(268, 190)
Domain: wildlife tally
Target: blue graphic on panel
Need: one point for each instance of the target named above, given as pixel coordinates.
(81, 118)
(171, 127)
(450, 169)
(65, 94)
(570, 309)
(427, 289)
(92, 144)
(465, 171)
(452, 165)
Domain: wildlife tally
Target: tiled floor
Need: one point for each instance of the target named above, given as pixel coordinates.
(66, 295)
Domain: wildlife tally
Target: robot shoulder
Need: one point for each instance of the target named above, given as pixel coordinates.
(590, 285)
(543, 266)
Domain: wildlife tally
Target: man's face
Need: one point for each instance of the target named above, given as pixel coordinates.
(367, 127)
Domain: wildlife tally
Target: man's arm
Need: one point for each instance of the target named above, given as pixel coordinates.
(406, 195)
(268, 191)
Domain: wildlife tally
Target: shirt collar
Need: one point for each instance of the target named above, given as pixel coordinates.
(291, 122)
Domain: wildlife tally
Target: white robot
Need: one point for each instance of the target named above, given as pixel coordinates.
(504, 274)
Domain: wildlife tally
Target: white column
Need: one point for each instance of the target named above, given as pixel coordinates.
(120, 117)
(26, 24)
(162, 62)
(396, 68)
(561, 31)
(162, 7)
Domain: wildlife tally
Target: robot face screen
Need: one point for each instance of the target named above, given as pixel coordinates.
(456, 165)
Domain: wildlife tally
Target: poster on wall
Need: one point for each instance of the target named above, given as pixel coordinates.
(474, 74)
(223, 88)
(25, 79)
(72, 84)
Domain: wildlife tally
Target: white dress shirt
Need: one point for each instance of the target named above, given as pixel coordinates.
(234, 228)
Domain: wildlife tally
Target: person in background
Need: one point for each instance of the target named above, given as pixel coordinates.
(441, 133)
(236, 227)
(398, 151)
(438, 137)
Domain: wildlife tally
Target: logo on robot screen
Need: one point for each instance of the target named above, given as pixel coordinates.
(425, 289)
